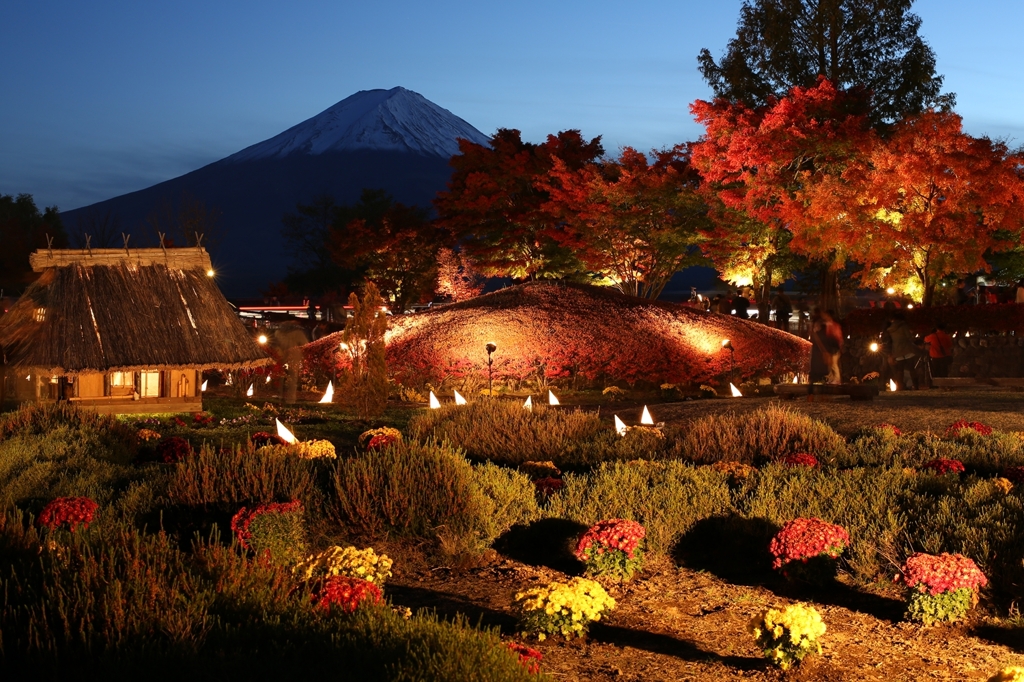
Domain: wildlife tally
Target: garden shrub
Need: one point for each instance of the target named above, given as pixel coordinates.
(345, 594)
(756, 437)
(239, 476)
(502, 431)
(508, 499)
(863, 501)
(411, 490)
(940, 588)
(347, 562)
(666, 497)
(108, 437)
(565, 609)
(787, 636)
(273, 528)
(612, 548)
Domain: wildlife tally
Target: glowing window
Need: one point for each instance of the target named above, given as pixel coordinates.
(121, 379)
(40, 314)
(149, 384)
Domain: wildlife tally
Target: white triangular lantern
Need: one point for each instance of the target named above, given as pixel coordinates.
(268, 379)
(286, 435)
(735, 391)
(459, 400)
(552, 400)
(204, 385)
(529, 403)
(329, 393)
(796, 379)
(620, 426)
(646, 418)
(892, 385)
(249, 392)
(434, 402)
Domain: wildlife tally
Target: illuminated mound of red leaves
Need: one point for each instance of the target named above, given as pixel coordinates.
(346, 594)
(942, 466)
(244, 517)
(68, 511)
(803, 539)
(802, 459)
(528, 658)
(173, 449)
(558, 331)
(956, 427)
(943, 573)
(610, 534)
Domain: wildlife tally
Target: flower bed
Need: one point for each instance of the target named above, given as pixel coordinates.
(347, 562)
(940, 588)
(612, 548)
(955, 428)
(803, 540)
(68, 511)
(273, 528)
(942, 466)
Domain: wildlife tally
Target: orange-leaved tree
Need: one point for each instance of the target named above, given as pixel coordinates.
(493, 204)
(763, 166)
(934, 201)
(632, 221)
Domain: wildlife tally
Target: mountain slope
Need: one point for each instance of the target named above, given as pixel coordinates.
(383, 139)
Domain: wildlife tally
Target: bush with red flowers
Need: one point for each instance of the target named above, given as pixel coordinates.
(806, 549)
(942, 466)
(612, 548)
(802, 459)
(68, 511)
(528, 658)
(378, 439)
(956, 427)
(273, 528)
(940, 588)
(891, 428)
(173, 449)
(344, 594)
(261, 438)
(202, 419)
(549, 485)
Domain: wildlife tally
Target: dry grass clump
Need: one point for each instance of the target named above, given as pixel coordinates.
(240, 475)
(756, 437)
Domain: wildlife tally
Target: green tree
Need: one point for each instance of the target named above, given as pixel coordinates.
(872, 44)
(306, 233)
(365, 388)
(23, 229)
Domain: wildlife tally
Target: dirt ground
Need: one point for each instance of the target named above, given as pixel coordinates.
(687, 623)
(677, 624)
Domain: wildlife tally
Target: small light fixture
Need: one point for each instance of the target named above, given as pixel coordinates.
(620, 426)
(910, 306)
(205, 382)
(890, 291)
(329, 393)
(646, 418)
(249, 393)
(210, 273)
(459, 400)
(726, 343)
(434, 402)
(285, 435)
(529, 403)
(490, 348)
(873, 347)
(735, 391)
(262, 339)
(892, 385)
(552, 400)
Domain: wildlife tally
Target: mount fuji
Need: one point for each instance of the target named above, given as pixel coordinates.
(395, 140)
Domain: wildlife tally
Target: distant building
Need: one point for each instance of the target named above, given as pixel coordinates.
(121, 331)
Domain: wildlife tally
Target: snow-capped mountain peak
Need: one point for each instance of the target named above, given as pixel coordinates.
(384, 120)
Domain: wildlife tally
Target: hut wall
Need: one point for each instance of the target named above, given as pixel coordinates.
(182, 383)
(90, 385)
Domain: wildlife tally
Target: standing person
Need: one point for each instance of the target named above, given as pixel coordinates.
(820, 357)
(725, 304)
(833, 345)
(902, 350)
(741, 305)
(940, 351)
(962, 297)
(783, 309)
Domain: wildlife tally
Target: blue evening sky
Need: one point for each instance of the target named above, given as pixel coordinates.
(105, 97)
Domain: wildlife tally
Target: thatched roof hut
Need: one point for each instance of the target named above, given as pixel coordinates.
(107, 311)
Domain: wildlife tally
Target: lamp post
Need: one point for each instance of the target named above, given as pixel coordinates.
(491, 347)
(726, 343)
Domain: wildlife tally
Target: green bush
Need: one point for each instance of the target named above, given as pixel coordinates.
(241, 475)
(107, 437)
(863, 501)
(502, 431)
(509, 499)
(949, 607)
(667, 498)
(756, 437)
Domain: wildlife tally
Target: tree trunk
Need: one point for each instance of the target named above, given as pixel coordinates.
(830, 288)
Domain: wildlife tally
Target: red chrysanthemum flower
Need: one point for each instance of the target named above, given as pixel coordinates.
(173, 449)
(68, 511)
(803, 539)
(802, 459)
(942, 466)
(346, 594)
(611, 534)
(942, 573)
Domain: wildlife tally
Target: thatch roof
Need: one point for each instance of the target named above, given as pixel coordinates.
(148, 308)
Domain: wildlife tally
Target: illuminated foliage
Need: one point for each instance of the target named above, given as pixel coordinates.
(493, 204)
(457, 279)
(365, 388)
(629, 220)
